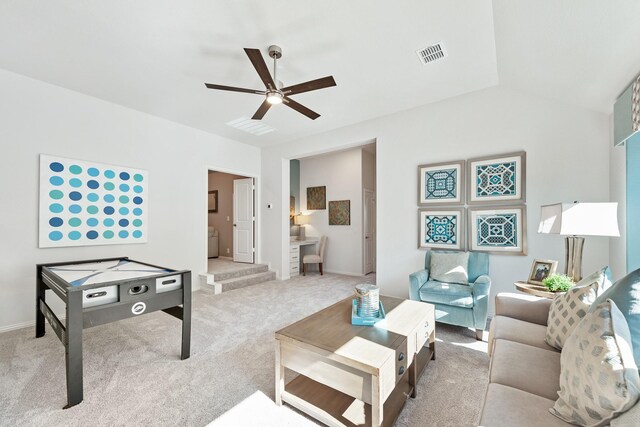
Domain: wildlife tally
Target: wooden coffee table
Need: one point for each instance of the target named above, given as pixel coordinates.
(355, 375)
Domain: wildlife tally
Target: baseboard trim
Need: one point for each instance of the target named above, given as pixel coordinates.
(22, 325)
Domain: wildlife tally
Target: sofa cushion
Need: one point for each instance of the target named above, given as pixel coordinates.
(447, 293)
(569, 308)
(625, 293)
(599, 377)
(450, 267)
(526, 368)
(506, 406)
(507, 328)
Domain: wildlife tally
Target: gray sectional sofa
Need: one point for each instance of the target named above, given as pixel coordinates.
(524, 372)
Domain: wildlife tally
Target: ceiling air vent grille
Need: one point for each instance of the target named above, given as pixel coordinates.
(254, 127)
(431, 53)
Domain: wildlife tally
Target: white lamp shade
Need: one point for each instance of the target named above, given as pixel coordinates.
(301, 219)
(580, 219)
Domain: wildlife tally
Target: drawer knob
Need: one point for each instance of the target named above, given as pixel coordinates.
(401, 370)
(401, 357)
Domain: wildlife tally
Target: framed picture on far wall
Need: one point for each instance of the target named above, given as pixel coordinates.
(441, 229)
(497, 179)
(441, 183)
(499, 230)
(541, 269)
(213, 201)
(316, 198)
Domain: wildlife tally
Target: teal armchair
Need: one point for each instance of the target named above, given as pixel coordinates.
(462, 305)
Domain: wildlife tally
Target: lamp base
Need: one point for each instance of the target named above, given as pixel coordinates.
(573, 257)
(301, 235)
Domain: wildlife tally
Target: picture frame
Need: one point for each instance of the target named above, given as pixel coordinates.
(498, 230)
(499, 179)
(441, 183)
(340, 212)
(316, 198)
(541, 269)
(441, 228)
(213, 201)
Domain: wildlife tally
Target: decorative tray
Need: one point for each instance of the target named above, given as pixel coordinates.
(365, 321)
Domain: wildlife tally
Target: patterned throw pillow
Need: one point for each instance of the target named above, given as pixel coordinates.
(598, 376)
(568, 309)
(450, 267)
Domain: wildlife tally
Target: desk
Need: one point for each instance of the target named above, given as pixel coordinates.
(101, 291)
(295, 254)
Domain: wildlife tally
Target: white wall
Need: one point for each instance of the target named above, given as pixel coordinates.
(567, 159)
(618, 191)
(341, 173)
(36, 117)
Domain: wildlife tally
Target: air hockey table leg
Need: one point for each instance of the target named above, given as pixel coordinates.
(73, 349)
(186, 317)
(40, 295)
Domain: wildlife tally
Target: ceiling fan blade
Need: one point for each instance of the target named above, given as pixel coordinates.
(264, 107)
(300, 108)
(261, 67)
(310, 85)
(234, 89)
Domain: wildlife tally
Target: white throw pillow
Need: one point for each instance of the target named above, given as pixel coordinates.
(568, 309)
(598, 375)
(450, 267)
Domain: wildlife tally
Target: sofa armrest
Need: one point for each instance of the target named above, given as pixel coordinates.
(480, 288)
(523, 307)
(416, 280)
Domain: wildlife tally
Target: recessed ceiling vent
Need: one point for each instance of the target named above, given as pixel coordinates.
(431, 53)
(254, 127)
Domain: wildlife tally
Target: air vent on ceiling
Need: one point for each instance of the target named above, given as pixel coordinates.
(254, 127)
(431, 53)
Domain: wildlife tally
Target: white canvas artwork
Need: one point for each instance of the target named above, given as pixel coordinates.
(87, 203)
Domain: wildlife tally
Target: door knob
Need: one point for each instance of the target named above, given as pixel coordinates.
(234, 225)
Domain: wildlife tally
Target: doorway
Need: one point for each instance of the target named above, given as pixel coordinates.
(230, 219)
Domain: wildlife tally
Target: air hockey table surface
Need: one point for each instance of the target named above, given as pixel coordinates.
(100, 291)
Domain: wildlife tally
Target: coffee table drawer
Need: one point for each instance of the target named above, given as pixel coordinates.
(425, 328)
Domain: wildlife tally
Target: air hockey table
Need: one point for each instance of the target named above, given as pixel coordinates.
(100, 291)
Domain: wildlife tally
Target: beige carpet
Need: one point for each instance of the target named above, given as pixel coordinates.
(133, 374)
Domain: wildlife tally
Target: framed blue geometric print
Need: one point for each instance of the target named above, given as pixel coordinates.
(87, 203)
(497, 179)
(441, 183)
(500, 230)
(441, 229)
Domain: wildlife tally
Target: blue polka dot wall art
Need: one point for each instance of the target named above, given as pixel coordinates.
(86, 203)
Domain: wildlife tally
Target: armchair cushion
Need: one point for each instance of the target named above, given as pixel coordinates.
(452, 294)
(450, 267)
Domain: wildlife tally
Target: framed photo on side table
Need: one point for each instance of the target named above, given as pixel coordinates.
(541, 269)
(441, 229)
(441, 183)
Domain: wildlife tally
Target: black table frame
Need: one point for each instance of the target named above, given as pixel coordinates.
(176, 303)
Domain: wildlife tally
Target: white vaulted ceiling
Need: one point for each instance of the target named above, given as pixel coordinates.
(154, 56)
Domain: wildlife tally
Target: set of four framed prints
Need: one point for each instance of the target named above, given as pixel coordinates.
(480, 200)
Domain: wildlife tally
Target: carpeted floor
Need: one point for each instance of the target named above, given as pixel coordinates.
(133, 374)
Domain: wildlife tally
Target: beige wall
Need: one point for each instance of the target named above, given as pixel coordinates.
(223, 219)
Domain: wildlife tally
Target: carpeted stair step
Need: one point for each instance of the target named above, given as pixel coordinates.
(240, 272)
(249, 280)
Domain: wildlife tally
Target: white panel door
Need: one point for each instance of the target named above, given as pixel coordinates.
(243, 220)
(369, 231)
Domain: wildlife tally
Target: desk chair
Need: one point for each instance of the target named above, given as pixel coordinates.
(317, 258)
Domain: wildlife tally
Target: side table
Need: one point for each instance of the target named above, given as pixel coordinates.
(537, 290)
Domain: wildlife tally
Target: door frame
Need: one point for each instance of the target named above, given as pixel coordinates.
(256, 206)
(364, 230)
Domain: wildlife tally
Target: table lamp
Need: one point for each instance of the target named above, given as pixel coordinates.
(301, 220)
(578, 219)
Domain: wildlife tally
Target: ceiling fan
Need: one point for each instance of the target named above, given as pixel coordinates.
(276, 93)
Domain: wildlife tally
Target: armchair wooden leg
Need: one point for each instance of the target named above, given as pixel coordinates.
(479, 334)
(321, 273)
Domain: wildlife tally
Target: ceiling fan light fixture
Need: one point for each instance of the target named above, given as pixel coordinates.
(274, 97)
